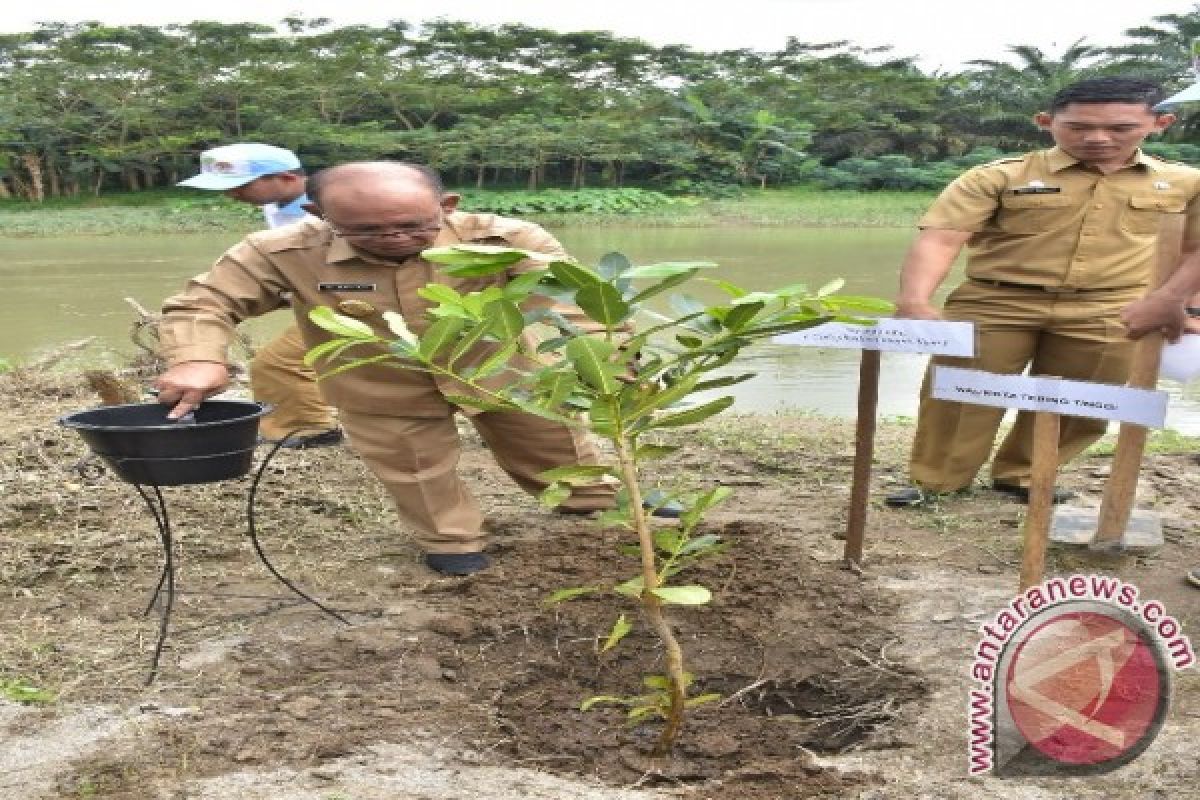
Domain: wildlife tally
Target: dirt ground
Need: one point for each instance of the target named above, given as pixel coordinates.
(835, 684)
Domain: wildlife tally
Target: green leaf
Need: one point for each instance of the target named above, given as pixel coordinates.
(740, 315)
(570, 594)
(667, 539)
(496, 362)
(831, 287)
(660, 682)
(665, 397)
(663, 285)
(506, 318)
(554, 494)
(701, 699)
(727, 287)
(557, 389)
(612, 264)
(577, 473)
(328, 319)
(701, 544)
(468, 340)
(649, 452)
(590, 357)
(666, 269)
(689, 341)
(573, 275)
(636, 714)
(632, 587)
(619, 630)
(468, 401)
(519, 287)
(724, 380)
(324, 348)
(440, 294)
(865, 305)
(474, 259)
(588, 704)
(615, 518)
(682, 595)
(439, 335)
(603, 303)
(692, 415)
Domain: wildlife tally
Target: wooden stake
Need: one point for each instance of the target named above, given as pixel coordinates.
(1040, 511)
(864, 452)
(1121, 488)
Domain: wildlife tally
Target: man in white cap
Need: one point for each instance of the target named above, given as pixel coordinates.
(272, 177)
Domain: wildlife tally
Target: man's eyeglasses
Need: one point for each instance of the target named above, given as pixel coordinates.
(394, 232)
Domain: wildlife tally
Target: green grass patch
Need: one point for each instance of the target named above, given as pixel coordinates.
(184, 211)
(1163, 442)
(21, 691)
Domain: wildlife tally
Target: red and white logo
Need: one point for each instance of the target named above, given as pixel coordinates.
(1075, 681)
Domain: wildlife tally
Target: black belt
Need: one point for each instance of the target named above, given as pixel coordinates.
(1050, 289)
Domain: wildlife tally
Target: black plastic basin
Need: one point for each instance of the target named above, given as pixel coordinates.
(143, 446)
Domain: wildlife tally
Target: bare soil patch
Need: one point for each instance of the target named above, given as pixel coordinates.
(835, 684)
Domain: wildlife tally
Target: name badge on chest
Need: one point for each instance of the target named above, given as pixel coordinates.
(347, 287)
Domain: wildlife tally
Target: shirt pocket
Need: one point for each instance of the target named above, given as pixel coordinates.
(1144, 212)
(1034, 213)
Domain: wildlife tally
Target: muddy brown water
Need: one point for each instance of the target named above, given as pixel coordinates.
(63, 289)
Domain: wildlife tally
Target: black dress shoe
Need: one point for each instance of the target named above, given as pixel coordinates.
(916, 497)
(457, 563)
(328, 438)
(905, 498)
(1022, 492)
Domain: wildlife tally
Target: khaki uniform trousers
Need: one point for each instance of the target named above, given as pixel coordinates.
(416, 460)
(279, 376)
(1067, 335)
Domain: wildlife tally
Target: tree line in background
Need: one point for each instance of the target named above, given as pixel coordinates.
(86, 108)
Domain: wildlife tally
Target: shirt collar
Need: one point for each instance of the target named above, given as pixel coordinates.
(296, 205)
(1058, 159)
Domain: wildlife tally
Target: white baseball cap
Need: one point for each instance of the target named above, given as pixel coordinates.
(235, 165)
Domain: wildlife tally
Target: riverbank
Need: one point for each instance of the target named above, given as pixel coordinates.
(181, 211)
(838, 685)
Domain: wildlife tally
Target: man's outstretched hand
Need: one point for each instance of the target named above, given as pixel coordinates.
(187, 384)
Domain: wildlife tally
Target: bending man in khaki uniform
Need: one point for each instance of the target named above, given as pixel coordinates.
(272, 178)
(1060, 242)
(362, 259)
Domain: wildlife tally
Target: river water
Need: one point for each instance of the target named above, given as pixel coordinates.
(58, 290)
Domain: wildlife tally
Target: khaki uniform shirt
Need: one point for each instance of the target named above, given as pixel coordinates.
(1045, 219)
(315, 268)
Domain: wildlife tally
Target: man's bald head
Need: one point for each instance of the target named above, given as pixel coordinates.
(387, 208)
(371, 177)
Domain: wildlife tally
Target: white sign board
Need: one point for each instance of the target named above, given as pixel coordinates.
(1074, 398)
(894, 335)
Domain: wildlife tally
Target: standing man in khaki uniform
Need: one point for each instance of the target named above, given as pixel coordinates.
(363, 259)
(1060, 242)
(272, 178)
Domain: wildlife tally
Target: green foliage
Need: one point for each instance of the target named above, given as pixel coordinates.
(88, 108)
(564, 201)
(897, 172)
(21, 691)
(1183, 152)
(630, 384)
